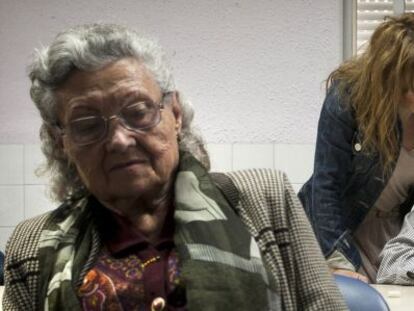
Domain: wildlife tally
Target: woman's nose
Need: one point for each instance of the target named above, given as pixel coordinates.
(119, 138)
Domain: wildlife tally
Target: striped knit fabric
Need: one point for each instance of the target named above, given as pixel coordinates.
(397, 257)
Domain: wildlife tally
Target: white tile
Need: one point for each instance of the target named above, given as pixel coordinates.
(220, 157)
(11, 205)
(295, 160)
(5, 233)
(252, 156)
(11, 164)
(33, 157)
(36, 201)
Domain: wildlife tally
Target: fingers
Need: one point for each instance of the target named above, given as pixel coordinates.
(361, 277)
(351, 274)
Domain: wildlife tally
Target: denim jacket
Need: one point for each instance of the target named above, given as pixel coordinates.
(345, 183)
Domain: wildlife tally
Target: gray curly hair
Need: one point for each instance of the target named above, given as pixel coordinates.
(89, 48)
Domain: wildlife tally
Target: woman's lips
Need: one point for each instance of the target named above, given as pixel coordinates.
(125, 165)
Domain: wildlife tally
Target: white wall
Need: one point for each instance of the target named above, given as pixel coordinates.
(256, 63)
(254, 70)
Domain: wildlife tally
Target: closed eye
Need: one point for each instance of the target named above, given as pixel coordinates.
(84, 125)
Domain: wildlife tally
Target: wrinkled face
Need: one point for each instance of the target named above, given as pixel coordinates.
(125, 164)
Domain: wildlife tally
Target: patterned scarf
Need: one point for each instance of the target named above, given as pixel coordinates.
(220, 261)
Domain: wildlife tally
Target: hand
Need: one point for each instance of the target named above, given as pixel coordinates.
(350, 274)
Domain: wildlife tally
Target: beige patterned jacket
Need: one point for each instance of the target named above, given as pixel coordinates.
(266, 203)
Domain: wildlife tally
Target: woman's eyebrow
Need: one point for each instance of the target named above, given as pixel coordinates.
(85, 100)
(132, 94)
(129, 95)
(84, 103)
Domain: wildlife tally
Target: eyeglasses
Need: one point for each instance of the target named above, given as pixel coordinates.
(136, 117)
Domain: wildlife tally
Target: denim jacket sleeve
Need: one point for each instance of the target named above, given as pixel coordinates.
(322, 195)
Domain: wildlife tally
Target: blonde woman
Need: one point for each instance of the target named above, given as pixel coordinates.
(362, 184)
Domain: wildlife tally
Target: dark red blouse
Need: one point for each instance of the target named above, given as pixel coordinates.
(131, 273)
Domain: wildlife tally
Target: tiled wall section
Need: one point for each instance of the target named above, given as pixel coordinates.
(23, 194)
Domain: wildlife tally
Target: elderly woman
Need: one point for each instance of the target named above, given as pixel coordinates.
(142, 224)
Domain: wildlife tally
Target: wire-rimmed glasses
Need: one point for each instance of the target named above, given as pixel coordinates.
(137, 117)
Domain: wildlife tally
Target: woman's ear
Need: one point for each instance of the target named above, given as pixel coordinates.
(64, 146)
(56, 140)
(61, 143)
(177, 111)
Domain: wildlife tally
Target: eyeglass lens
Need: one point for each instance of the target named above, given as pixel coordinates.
(139, 116)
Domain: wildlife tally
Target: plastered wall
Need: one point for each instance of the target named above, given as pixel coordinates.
(254, 69)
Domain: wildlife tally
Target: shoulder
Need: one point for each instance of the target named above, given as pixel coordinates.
(22, 268)
(25, 238)
(24, 241)
(261, 175)
(338, 104)
(260, 181)
(266, 197)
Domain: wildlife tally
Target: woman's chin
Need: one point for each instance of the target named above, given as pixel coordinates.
(130, 186)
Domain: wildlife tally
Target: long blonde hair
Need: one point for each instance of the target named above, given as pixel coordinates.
(377, 81)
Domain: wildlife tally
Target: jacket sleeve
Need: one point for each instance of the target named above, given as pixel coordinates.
(16, 293)
(397, 257)
(21, 269)
(316, 289)
(332, 171)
